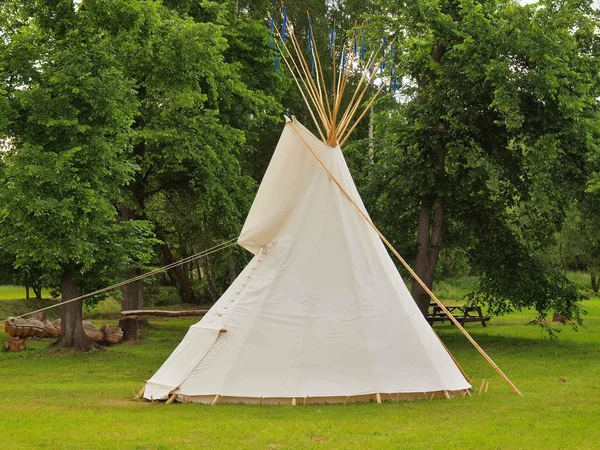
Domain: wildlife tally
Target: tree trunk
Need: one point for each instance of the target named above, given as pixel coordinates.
(27, 291)
(36, 285)
(72, 334)
(429, 238)
(132, 298)
(595, 282)
(183, 280)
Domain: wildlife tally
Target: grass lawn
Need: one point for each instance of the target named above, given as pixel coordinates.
(18, 292)
(85, 401)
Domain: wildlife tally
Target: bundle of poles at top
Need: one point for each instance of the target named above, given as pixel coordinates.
(333, 123)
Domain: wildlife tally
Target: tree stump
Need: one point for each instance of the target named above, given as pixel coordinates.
(15, 344)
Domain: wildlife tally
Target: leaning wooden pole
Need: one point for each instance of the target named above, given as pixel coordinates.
(405, 264)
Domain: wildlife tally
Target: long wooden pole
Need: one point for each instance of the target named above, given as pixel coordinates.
(341, 129)
(317, 98)
(405, 264)
(324, 121)
(320, 68)
(353, 108)
(303, 96)
(347, 135)
(351, 103)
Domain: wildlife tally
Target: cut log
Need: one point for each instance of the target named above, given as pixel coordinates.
(15, 344)
(51, 330)
(17, 327)
(112, 335)
(161, 313)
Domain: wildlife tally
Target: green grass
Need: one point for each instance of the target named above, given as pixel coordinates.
(18, 292)
(85, 401)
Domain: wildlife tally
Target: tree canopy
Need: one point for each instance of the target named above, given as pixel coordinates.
(136, 132)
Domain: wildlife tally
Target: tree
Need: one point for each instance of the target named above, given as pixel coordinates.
(579, 242)
(69, 130)
(195, 120)
(490, 140)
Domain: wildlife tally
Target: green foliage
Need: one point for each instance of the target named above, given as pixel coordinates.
(508, 94)
(104, 309)
(69, 131)
(162, 296)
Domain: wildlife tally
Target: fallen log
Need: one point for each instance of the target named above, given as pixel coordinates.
(160, 313)
(19, 329)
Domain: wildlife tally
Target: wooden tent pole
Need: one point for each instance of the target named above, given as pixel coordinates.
(318, 98)
(303, 96)
(347, 134)
(412, 272)
(320, 68)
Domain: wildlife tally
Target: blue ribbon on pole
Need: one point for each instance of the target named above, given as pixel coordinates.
(343, 61)
(284, 25)
(331, 39)
(362, 44)
(354, 45)
(382, 66)
(309, 36)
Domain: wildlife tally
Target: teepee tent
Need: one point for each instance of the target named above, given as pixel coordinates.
(320, 314)
(320, 311)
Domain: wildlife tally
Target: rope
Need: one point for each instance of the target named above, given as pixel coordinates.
(202, 254)
(405, 264)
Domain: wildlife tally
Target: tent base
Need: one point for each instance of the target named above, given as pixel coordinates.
(375, 397)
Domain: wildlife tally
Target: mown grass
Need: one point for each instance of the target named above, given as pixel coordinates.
(85, 401)
(10, 292)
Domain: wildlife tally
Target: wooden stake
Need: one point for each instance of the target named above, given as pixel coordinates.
(481, 387)
(294, 402)
(216, 399)
(378, 397)
(487, 385)
(412, 272)
(141, 393)
(346, 401)
(171, 399)
(446, 394)
(305, 400)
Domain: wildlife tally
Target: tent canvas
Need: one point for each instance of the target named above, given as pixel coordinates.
(320, 312)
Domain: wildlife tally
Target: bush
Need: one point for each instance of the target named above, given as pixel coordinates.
(163, 296)
(107, 308)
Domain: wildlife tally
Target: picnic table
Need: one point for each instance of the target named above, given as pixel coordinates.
(462, 313)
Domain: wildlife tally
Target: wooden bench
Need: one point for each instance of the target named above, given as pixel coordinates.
(462, 313)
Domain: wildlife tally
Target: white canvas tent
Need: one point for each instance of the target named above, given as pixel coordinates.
(320, 312)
